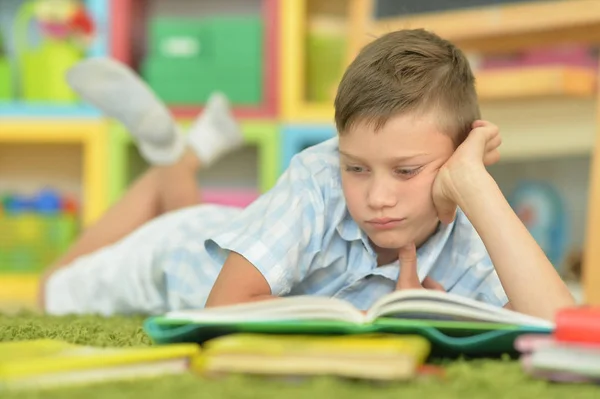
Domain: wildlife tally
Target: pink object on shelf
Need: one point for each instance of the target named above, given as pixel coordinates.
(230, 197)
(572, 55)
(568, 55)
(501, 61)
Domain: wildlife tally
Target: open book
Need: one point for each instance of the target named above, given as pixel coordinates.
(450, 320)
(414, 304)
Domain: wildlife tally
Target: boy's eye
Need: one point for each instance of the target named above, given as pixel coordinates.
(407, 172)
(354, 169)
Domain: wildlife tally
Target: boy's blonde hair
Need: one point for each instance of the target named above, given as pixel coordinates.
(408, 71)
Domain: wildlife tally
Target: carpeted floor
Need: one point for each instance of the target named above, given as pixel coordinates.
(476, 379)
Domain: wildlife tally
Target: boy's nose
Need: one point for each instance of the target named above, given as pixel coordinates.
(381, 195)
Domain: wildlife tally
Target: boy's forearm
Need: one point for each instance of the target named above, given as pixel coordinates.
(532, 284)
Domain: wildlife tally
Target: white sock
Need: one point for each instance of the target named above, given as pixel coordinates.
(215, 132)
(118, 92)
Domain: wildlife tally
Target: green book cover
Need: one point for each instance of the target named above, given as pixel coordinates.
(454, 325)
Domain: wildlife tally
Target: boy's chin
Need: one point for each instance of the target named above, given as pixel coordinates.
(390, 239)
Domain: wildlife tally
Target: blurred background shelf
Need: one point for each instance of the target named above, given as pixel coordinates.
(253, 168)
(18, 292)
(26, 55)
(494, 28)
(293, 53)
(181, 47)
(536, 82)
(313, 58)
(45, 145)
(46, 111)
(544, 128)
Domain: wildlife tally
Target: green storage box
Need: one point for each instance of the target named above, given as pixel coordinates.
(325, 57)
(6, 92)
(197, 80)
(189, 59)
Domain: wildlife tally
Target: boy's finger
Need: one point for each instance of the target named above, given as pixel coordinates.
(478, 123)
(493, 143)
(431, 284)
(408, 277)
(491, 157)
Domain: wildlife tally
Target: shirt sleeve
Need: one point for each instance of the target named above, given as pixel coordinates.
(487, 286)
(477, 277)
(280, 233)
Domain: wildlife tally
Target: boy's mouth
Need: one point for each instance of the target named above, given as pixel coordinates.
(384, 223)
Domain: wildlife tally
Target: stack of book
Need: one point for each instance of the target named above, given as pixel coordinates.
(570, 354)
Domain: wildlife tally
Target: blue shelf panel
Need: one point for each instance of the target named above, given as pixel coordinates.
(295, 138)
(18, 109)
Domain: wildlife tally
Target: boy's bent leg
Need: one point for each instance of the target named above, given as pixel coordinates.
(122, 278)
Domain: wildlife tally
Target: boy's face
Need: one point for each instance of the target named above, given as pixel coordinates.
(387, 177)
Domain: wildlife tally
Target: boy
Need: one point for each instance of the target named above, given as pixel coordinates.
(356, 217)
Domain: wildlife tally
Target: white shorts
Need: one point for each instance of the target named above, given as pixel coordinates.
(161, 266)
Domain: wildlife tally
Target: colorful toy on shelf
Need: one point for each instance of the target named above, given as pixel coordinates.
(35, 230)
(190, 58)
(5, 74)
(66, 32)
(541, 208)
(65, 20)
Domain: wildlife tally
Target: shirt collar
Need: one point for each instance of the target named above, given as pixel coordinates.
(426, 254)
(349, 231)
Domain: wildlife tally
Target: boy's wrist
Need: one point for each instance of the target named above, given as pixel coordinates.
(470, 184)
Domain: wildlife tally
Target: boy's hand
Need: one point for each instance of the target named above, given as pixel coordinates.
(408, 278)
(480, 149)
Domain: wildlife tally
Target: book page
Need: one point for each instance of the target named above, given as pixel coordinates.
(439, 305)
(279, 309)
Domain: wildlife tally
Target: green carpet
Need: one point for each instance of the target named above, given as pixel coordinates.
(475, 379)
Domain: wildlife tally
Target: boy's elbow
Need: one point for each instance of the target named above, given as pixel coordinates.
(238, 282)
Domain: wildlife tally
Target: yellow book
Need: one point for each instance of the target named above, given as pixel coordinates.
(375, 357)
(49, 363)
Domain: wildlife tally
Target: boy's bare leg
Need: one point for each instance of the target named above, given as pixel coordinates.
(161, 189)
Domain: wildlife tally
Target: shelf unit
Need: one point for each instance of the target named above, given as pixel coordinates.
(547, 100)
(128, 16)
(55, 126)
(19, 290)
(90, 135)
(294, 23)
(501, 28)
(536, 82)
